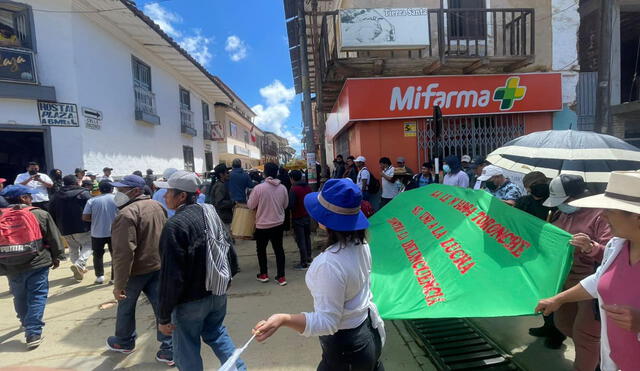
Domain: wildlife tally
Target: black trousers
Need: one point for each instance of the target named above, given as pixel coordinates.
(356, 349)
(302, 232)
(263, 236)
(97, 245)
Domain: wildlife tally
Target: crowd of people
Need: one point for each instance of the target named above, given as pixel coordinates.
(170, 238)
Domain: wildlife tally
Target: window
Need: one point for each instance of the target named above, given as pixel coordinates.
(205, 112)
(466, 23)
(187, 152)
(16, 26)
(246, 136)
(233, 130)
(185, 98)
(141, 74)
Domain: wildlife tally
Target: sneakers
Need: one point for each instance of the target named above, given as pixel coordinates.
(78, 273)
(99, 280)
(301, 267)
(166, 357)
(114, 346)
(33, 341)
(262, 277)
(540, 332)
(281, 281)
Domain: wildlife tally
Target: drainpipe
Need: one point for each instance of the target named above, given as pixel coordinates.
(306, 86)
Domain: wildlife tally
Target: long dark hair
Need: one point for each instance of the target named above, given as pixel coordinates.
(343, 237)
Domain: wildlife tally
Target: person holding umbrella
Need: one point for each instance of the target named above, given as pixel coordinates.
(345, 318)
(614, 283)
(590, 232)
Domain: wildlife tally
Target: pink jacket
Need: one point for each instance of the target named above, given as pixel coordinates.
(269, 199)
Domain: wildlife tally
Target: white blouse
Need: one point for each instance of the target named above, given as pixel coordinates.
(339, 281)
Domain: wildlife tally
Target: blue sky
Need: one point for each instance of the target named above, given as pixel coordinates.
(245, 44)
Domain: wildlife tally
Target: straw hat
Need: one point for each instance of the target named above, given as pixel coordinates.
(622, 193)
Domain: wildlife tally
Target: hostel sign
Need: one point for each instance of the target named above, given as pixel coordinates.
(58, 114)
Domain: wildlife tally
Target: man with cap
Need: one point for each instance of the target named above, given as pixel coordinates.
(92, 178)
(66, 208)
(101, 211)
(195, 275)
(41, 182)
(498, 185)
(135, 239)
(80, 175)
(591, 232)
(363, 177)
(29, 277)
(478, 166)
(465, 162)
(106, 174)
(402, 163)
(159, 194)
(3, 201)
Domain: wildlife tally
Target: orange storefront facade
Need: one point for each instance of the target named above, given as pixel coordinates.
(392, 117)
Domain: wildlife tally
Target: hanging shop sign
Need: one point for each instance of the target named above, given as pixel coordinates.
(58, 114)
(17, 65)
(384, 28)
(92, 118)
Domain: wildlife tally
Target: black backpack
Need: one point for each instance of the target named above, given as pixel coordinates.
(374, 184)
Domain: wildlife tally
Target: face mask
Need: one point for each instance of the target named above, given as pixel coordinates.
(490, 185)
(446, 169)
(567, 209)
(33, 172)
(121, 198)
(540, 191)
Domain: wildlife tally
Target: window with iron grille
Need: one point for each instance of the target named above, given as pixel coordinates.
(185, 98)
(187, 153)
(16, 25)
(466, 23)
(141, 74)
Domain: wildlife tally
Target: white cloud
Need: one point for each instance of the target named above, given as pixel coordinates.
(194, 43)
(273, 115)
(236, 48)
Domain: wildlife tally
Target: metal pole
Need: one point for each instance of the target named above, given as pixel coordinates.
(306, 86)
(603, 99)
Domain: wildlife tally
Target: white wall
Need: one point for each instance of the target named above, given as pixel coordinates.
(90, 65)
(565, 24)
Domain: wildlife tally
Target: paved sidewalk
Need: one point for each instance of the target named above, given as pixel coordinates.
(76, 328)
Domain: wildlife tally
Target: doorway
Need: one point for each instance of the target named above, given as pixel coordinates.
(17, 148)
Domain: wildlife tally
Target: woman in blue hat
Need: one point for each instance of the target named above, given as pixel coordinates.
(345, 318)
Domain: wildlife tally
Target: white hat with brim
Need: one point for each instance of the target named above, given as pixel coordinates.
(489, 172)
(622, 193)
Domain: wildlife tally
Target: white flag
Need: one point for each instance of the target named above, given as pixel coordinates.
(230, 365)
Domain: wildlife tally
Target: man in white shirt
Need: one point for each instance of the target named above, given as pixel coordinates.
(101, 211)
(106, 175)
(389, 189)
(363, 177)
(34, 179)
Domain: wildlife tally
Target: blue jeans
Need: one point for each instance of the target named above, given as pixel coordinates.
(126, 317)
(30, 290)
(201, 318)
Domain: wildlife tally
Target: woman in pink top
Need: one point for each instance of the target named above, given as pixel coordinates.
(614, 284)
(591, 232)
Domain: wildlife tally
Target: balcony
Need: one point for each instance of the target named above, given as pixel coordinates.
(186, 122)
(146, 106)
(460, 41)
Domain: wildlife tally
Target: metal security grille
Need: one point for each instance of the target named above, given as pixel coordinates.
(468, 135)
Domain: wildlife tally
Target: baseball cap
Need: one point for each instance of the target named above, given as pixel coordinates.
(400, 159)
(361, 159)
(130, 181)
(17, 190)
(181, 180)
(168, 172)
(107, 169)
(466, 158)
(564, 186)
(489, 172)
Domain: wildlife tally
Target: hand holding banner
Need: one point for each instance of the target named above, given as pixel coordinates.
(442, 251)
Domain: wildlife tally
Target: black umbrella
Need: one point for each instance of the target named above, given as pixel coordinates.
(553, 152)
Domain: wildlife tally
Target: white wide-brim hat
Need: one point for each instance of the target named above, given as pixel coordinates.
(622, 193)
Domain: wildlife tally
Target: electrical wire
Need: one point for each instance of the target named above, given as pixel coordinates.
(90, 11)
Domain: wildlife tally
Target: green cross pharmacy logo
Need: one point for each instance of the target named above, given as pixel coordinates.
(508, 94)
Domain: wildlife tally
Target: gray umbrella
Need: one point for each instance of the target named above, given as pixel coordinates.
(553, 152)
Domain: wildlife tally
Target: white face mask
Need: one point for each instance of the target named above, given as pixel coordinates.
(121, 198)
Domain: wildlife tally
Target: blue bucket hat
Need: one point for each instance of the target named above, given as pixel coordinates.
(130, 181)
(17, 190)
(338, 206)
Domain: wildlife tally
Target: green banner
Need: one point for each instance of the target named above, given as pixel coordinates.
(442, 251)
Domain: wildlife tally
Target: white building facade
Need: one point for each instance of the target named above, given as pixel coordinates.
(131, 98)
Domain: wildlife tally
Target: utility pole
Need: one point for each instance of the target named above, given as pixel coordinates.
(603, 97)
(306, 93)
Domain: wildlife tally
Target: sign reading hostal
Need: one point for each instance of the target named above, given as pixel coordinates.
(17, 66)
(58, 114)
(384, 28)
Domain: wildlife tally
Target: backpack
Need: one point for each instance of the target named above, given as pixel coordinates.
(374, 184)
(20, 236)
